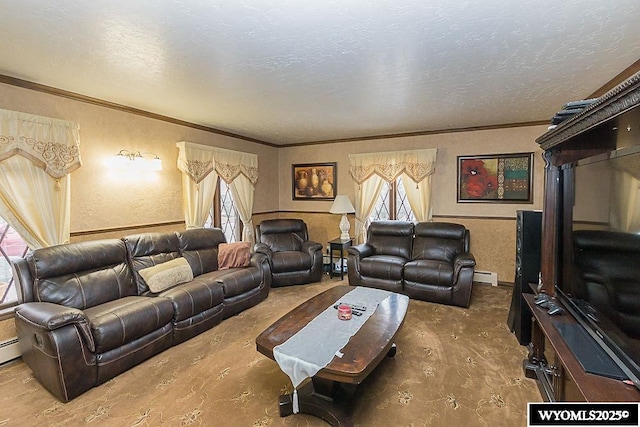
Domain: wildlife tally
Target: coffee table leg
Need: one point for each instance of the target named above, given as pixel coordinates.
(285, 403)
(321, 398)
(392, 350)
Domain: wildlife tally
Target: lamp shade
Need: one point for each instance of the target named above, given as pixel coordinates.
(342, 205)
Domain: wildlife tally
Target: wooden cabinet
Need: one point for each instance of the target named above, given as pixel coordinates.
(559, 374)
(610, 124)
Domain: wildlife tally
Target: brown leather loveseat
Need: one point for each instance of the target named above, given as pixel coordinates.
(91, 310)
(428, 261)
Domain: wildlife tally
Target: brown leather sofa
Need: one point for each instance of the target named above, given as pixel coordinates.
(87, 315)
(428, 261)
(294, 259)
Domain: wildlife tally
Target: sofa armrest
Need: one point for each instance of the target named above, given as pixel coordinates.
(362, 250)
(311, 247)
(49, 317)
(260, 260)
(263, 249)
(462, 260)
(22, 279)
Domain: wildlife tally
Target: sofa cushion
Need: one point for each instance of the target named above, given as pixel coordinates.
(194, 297)
(439, 241)
(391, 238)
(166, 275)
(234, 255)
(82, 274)
(386, 267)
(199, 246)
(290, 261)
(236, 281)
(427, 271)
(282, 242)
(149, 249)
(122, 321)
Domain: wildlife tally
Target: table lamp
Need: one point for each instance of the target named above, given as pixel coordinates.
(342, 205)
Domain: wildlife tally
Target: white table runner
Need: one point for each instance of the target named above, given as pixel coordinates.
(315, 345)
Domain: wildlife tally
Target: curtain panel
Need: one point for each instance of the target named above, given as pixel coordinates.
(201, 165)
(416, 164)
(369, 170)
(199, 181)
(36, 156)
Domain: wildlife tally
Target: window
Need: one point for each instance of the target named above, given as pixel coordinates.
(11, 245)
(224, 213)
(392, 204)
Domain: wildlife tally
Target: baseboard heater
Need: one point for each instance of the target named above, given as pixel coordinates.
(9, 350)
(486, 277)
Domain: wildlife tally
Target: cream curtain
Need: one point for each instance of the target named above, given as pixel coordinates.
(366, 197)
(414, 166)
(240, 171)
(199, 180)
(36, 155)
(201, 165)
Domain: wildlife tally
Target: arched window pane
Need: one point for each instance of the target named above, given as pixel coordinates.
(392, 204)
(11, 245)
(223, 214)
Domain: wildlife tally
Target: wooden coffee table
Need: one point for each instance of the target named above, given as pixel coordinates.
(329, 393)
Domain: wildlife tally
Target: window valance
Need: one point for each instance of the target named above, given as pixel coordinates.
(198, 161)
(50, 144)
(417, 164)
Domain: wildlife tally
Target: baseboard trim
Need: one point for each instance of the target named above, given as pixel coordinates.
(9, 350)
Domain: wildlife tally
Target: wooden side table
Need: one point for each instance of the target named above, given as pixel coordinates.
(338, 245)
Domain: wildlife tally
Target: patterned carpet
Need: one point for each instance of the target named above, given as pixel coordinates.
(453, 367)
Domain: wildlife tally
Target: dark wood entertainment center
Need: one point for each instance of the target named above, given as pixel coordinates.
(611, 122)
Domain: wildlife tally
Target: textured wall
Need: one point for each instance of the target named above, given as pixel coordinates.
(101, 202)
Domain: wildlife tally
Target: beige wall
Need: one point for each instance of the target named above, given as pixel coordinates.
(100, 201)
(449, 146)
(492, 225)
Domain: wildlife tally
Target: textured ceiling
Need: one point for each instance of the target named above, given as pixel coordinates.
(291, 71)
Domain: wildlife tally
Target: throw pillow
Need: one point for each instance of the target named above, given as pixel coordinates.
(166, 275)
(233, 255)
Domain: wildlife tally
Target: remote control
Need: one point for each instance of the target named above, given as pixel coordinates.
(353, 311)
(353, 306)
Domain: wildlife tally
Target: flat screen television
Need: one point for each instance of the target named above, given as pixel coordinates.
(600, 256)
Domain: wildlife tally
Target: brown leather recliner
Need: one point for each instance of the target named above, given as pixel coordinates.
(294, 259)
(441, 267)
(379, 262)
(429, 261)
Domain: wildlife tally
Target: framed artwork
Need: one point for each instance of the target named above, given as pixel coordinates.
(500, 178)
(314, 181)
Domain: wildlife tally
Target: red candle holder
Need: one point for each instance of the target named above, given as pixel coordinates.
(344, 312)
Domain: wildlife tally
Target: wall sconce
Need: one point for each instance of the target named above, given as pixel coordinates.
(143, 162)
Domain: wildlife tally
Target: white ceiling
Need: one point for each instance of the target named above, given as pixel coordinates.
(291, 71)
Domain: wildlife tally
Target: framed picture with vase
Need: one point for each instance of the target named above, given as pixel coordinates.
(314, 181)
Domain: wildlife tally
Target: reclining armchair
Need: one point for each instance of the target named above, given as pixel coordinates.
(379, 262)
(441, 267)
(294, 259)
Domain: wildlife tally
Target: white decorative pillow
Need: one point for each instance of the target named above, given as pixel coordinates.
(163, 276)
